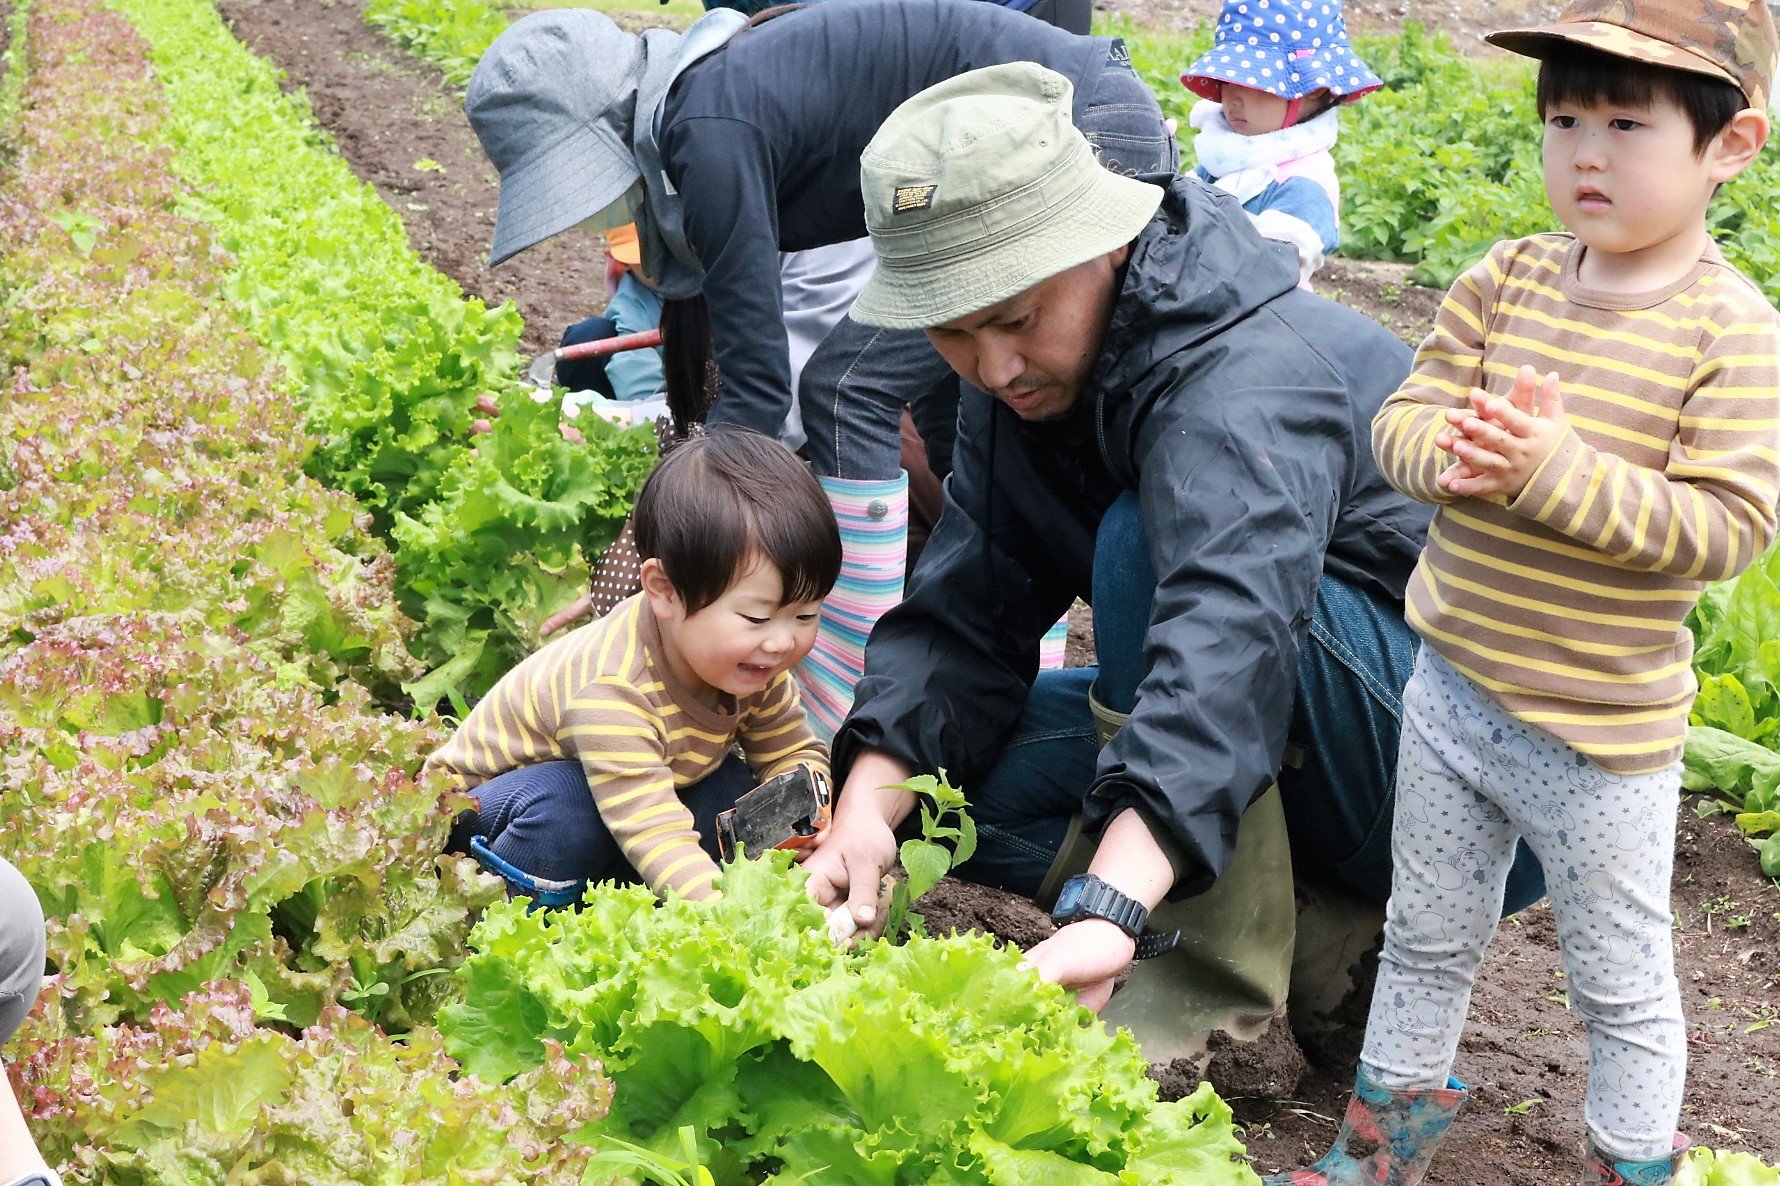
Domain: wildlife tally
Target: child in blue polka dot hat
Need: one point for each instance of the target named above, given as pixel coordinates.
(1271, 86)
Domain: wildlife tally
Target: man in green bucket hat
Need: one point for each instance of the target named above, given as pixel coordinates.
(1158, 420)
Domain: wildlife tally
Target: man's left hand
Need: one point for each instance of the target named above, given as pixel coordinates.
(1086, 957)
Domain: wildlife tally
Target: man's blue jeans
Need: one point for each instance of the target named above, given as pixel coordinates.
(1338, 801)
(538, 830)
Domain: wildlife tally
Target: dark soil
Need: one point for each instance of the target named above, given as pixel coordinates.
(388, 111)
(1523, 1048)
(1382, 292)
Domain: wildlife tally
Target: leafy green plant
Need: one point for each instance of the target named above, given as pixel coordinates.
(1745, 776)
(685, 1170)
(1706, 1167)
(505, 542)
(387, 359)
(1736, 717)
(948, 838)
(452, 36)
(201, 1097)
(939, 1060)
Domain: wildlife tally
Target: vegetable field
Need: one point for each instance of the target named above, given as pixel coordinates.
(252, 560)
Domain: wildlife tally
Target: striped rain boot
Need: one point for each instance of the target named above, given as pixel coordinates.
(1053, 647)
(1600, 1168)
(1387, 1138)
(874, 521)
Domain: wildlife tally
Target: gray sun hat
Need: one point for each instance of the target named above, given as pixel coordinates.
(980, 187)
(552, 101)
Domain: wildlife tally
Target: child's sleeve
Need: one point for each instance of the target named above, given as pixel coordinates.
(1303, 200)
(618, 737)
(776, 736)
(1447, 366)
(635, 374)
(1709, 512)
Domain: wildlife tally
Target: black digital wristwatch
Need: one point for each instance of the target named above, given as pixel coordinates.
(1087, 896)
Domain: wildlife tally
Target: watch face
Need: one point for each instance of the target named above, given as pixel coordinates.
(1070, 899)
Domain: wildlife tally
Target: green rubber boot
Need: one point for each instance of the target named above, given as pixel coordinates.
(1231, 970)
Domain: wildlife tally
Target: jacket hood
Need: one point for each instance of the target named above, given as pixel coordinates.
(1198, 268)
(668, 259)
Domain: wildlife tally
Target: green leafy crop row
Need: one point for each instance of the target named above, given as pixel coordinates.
(450, 35)
(387, 360)
(194, 629)
(200, 1096)
(238, 863)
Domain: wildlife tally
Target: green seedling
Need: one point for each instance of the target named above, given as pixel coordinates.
(948, 838)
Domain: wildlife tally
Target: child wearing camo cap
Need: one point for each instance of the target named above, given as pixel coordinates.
(1270, 88)
(1597, 418)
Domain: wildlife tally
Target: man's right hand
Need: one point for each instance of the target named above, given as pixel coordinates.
(859, 847)
(848, 860)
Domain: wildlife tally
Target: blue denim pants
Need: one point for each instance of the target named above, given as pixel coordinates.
(538, 830)
(1338, 798)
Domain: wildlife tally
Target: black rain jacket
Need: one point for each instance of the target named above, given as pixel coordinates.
(1239, 407)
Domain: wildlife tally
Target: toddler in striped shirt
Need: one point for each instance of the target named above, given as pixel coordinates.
(1596, 418)
(608, 754)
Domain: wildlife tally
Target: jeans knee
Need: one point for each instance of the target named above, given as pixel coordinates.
(570, 819)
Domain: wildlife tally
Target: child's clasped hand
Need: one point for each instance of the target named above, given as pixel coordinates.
(1500, 443)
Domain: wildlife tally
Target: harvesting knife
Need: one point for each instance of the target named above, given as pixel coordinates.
(787, 811)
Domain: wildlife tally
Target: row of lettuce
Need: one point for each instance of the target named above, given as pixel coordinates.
(260, 955)
(238, 862)
(386, 359)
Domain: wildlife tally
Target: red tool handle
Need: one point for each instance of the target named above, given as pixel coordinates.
(605, 346)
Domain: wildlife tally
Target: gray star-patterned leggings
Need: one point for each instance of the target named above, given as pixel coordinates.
(1471, 780)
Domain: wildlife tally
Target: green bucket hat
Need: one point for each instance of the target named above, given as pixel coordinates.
(1731, 40)
(979, 188)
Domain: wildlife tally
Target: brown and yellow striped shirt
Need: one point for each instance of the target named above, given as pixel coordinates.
(605, 696)
(1567, 603)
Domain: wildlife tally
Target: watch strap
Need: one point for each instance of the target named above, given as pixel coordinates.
(1154, 943)
(1115, 906)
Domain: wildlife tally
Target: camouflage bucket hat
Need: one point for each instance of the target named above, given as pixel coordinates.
(1728, 39)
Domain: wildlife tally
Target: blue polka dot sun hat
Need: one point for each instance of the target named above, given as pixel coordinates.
(1287, 48)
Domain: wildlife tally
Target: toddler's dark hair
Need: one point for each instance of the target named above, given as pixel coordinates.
(718, 499)
(1579, 74)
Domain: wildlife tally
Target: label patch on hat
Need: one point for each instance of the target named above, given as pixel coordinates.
(912, 197)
